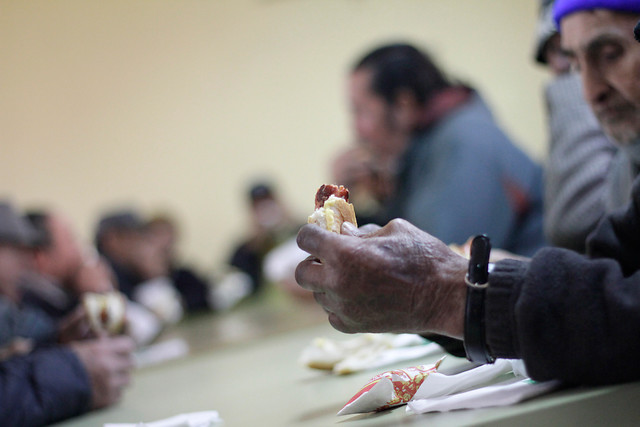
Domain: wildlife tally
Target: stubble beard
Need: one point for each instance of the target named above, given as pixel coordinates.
(624, 126)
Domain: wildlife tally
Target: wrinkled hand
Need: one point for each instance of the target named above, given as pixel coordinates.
(394, 279)
(109, 363)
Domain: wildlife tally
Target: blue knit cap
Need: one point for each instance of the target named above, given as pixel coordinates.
(562, 8)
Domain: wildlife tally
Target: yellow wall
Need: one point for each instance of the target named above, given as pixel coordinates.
(177, 104)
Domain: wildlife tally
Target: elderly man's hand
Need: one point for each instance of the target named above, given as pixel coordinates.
(394, 279)
(109, 362)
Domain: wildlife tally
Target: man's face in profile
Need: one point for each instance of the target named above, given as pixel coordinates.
(374, 120)
(601, 46)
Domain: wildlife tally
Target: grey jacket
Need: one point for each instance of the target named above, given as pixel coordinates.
(463, 176)
(577, 185)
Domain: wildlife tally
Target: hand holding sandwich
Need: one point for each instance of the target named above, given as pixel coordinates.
(395, 279)
(108, 362)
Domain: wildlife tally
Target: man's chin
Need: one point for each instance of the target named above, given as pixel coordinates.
(622, 136)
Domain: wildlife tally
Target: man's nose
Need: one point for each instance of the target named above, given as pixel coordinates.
(594, 84)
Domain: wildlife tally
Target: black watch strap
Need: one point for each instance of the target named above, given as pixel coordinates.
(474, 320)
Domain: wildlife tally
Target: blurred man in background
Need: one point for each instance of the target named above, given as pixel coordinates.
(42, 385)
(63, 269)
(437, 149)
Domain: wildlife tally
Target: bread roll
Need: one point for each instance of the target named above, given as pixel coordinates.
(106, 312)
(334, 209)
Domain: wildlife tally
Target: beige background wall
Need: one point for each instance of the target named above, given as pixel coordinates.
(177, 104)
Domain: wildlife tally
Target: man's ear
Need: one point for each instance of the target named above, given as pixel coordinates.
(406, 109)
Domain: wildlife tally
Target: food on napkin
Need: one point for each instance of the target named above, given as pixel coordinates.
(389, 389)
(106, 312)
(332, 208)
(364, 351)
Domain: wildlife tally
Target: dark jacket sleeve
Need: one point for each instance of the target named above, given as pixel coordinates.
(43, 387)
(573, 317)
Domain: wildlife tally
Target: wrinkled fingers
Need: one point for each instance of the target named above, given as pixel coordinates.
(310, 275)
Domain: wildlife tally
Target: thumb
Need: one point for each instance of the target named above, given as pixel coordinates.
(349, 229)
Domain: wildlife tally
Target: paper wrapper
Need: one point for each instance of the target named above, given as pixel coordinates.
(502, 383)
(505, 393)
(388, 389)
(366, 351)
(441, 385)
(192, 419)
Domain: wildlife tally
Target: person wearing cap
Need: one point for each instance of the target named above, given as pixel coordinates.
(270, 226)
(570, 317)
(120, 238)
(193, 288)
(580, 154)
(42, 385)
(16, 321)
(141, 268)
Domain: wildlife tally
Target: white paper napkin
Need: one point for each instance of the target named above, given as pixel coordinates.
(160, 352)
(438, 384)
(502, 383)
(503, 394)
(192, 419)
(478, 388)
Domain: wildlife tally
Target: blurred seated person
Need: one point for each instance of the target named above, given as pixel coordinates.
(42, 385)
(193, 288)
(17, 322)
(23, 325)
(120, 239)
(271, 225)
(436, 142)
(62, 270)
(138, 263)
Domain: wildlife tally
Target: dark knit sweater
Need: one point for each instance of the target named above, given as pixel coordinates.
(572, 317)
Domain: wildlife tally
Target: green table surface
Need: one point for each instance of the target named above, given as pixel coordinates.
(244, 364)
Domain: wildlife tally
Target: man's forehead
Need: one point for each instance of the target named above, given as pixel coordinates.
(362, 78)
(582, 28)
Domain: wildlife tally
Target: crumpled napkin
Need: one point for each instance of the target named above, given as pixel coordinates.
(506, 393)
(192, 419)
(389, 389)
(502, 383)
(365, 351)
(438, 384)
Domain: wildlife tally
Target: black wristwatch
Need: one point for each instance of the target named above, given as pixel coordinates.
(477, 280)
